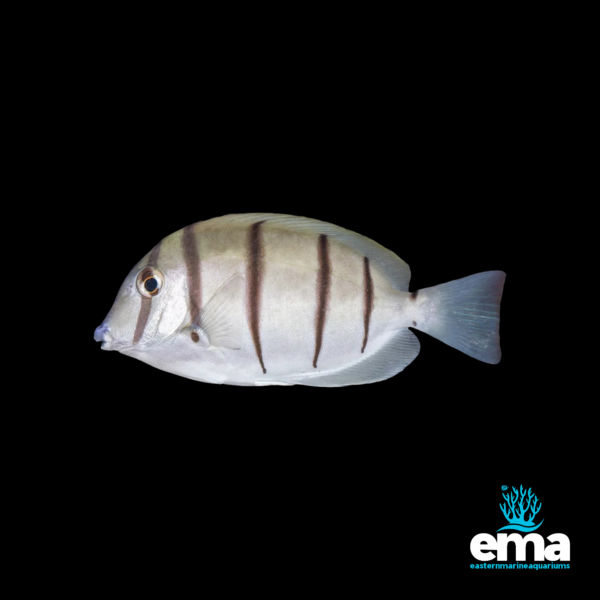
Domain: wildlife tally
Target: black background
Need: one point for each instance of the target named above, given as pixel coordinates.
(392, 462)
(460, 167)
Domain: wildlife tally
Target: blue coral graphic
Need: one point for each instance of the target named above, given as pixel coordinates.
(516, 511)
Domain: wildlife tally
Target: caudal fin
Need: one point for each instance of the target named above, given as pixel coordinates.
(465, 314)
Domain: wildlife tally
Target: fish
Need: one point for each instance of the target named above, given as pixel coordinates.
(268, 299)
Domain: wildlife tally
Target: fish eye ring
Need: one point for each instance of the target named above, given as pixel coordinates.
(150, 281)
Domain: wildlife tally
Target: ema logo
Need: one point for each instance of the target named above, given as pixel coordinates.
(518, 521)
(520, 509)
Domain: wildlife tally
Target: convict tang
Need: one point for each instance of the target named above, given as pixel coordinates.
(266, 299)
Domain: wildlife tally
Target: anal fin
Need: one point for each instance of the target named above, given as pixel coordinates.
(394, 355)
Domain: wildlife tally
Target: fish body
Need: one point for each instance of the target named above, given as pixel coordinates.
(264, 299)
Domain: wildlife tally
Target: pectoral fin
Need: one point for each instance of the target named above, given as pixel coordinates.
(220, 322)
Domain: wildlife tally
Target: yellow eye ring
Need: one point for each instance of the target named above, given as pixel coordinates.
(149, 282)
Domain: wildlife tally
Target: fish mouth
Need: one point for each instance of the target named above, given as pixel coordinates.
(124, 346)
(119, 347)
(103, 334)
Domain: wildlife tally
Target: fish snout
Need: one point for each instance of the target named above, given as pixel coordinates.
(109, 342)
(101, 332)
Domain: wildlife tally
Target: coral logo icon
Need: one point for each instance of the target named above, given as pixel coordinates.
(515, 511)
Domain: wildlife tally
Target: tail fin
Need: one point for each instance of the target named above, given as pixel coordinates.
(465, 314)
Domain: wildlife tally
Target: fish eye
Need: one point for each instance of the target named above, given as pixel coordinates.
(149, 282)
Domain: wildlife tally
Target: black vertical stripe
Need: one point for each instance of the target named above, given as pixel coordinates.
(144, 313)
(368, 302)
(192, 265)
(254, 289)
(323, 288)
